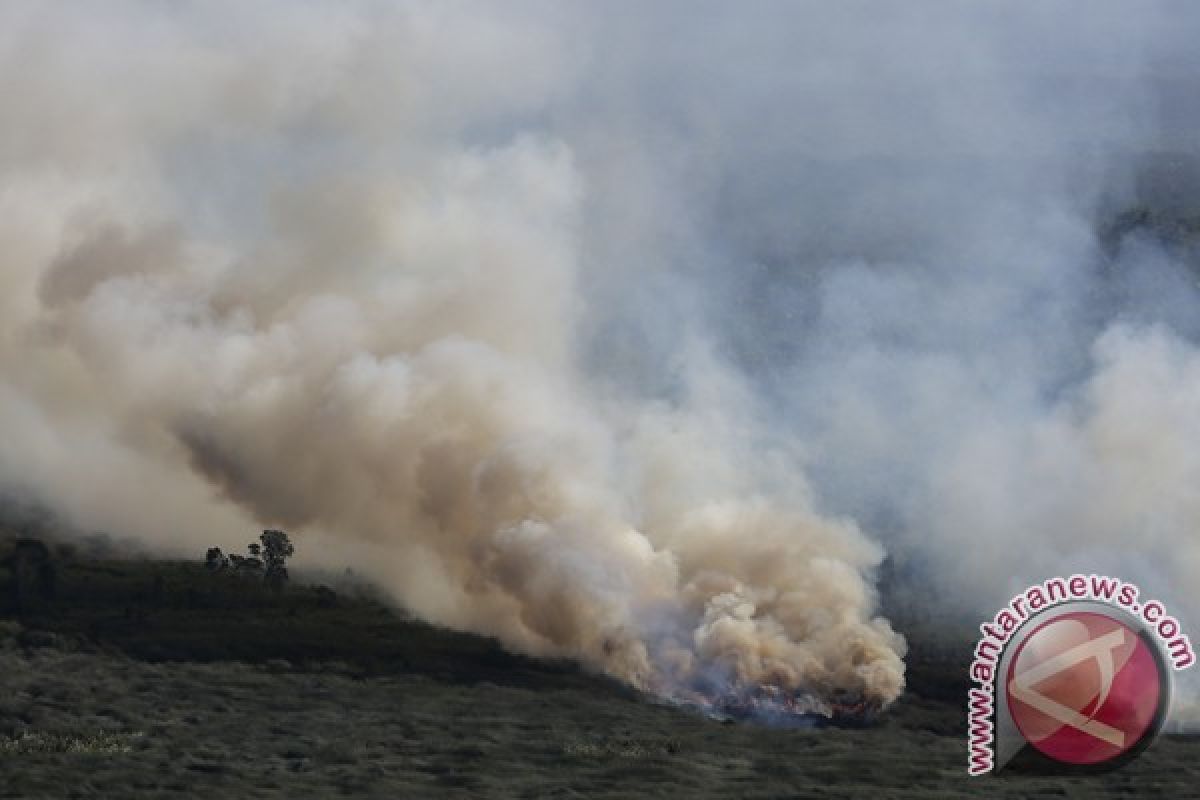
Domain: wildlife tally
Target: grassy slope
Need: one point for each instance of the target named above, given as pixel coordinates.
(158, 679)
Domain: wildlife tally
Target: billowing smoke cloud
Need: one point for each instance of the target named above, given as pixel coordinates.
(610, 332)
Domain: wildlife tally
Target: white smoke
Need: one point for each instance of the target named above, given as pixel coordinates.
(595, 329)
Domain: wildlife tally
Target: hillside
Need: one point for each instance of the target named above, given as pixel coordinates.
(138, 678)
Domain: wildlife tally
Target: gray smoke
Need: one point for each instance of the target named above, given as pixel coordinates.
(634, 335)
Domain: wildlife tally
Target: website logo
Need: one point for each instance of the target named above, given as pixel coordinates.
(1073, 675)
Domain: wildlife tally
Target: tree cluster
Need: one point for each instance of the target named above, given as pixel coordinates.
(267, 559)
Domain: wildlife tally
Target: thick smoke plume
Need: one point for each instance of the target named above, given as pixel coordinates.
(608, 330)
(364, 325)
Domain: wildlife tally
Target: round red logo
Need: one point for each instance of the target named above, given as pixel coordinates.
(1085, 688)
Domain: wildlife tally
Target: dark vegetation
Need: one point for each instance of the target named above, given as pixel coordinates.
(267, 560)
(164, 611)
(127, 677)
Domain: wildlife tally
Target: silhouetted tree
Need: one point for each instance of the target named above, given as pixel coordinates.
(215, 560)
(277, 549)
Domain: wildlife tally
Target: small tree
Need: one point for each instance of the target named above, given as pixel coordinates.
(215, 560)
(276, 549)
